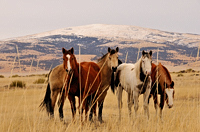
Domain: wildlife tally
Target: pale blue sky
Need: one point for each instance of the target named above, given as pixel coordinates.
(25, 17)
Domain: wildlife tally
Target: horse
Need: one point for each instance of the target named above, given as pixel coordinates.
(83, 80)
(108, 64)
(165, 85)
(56, 79)
(135, 80)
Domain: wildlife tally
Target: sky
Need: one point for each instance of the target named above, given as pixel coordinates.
(26, 17)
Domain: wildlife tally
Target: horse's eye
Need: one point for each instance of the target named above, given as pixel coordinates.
(63, 59)
(110, 58)
(72, 58)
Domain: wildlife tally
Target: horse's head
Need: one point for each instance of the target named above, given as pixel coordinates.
(146, 62)
(69, 60)
(169, 90)
(113, 58)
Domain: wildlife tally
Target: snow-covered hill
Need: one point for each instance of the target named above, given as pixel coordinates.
(174, 48)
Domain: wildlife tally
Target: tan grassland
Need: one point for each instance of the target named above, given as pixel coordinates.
(19, 110)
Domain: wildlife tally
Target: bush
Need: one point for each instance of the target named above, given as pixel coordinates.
(180, 75)
(39, 81)
(190, 70)
(18, 83)
(1, 76)
(15, 76)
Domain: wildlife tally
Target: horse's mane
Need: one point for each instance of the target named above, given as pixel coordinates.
(166, 71)
(138, 68)
(104, 55)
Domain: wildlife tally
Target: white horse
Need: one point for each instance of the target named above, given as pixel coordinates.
(135, 80)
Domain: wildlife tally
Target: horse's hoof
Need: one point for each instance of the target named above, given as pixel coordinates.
(51, 116)
(101, 121)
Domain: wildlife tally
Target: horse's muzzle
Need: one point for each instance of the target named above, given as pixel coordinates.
(170, 106)
(114, 69)
(69, 71)
(148, 73)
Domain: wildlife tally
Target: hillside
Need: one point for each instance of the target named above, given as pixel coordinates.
(42, 51)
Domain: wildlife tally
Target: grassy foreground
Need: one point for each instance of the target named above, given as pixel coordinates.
(19, 110)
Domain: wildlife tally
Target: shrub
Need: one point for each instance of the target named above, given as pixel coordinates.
(18, 83)
(39, 81)
(180, 75)
(1, 76)
(189, 70)
(15, 76)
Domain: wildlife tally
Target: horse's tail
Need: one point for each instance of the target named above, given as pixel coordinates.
(46, 103)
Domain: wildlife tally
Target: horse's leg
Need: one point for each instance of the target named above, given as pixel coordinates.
(93, 107)
(145, 101)
(73, 105)
(119, 100)
(130, 102)
(155, 99)
(86, 111)
(54, 94)
(100, 105)
(63, 97)
(146, 96)
(162, 101)
(135, 97)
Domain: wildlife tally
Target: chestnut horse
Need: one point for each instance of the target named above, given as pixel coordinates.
(83, 80)
(165, 86)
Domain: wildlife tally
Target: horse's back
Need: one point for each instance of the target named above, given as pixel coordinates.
(90, 72)
(125, 74)
(92, 65)
(165, 75)
(154, 72)
(56, 77)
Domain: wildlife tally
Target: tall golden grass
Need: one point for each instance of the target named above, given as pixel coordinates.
(19, 110)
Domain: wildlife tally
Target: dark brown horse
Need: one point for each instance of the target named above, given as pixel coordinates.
(83, 80)
(165, 86)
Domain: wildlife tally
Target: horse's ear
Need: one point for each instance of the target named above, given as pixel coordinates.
(172, 84)
(117, 49)
(72, 50)
(143, 53)
(150, 53)
(109, 49)
(63, 50)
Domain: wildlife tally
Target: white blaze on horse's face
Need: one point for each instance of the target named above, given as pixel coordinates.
(68, 62)
(146, 65)
(169, 92)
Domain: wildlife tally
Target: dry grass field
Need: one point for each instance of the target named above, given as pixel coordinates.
(19, 110)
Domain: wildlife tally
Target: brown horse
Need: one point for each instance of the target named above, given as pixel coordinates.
(56, 80)
(83, 80)
(108, 64)
(165, 86)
